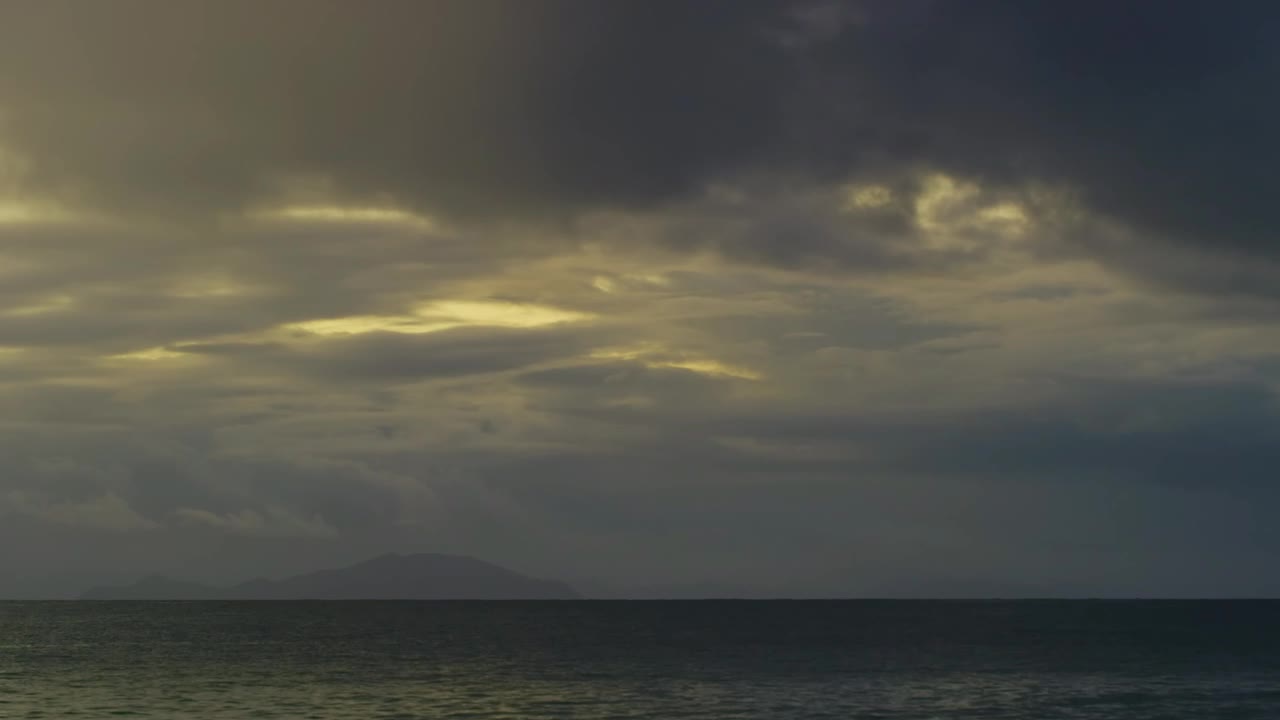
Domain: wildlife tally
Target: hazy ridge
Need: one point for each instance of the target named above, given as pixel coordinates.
(387, 577)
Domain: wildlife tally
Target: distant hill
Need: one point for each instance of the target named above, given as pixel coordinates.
(388, 577)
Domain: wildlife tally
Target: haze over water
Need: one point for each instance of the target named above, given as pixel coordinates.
(895, 660)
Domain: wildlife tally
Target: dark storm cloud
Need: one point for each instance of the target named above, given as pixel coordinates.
(463, 105)
(1158, 114)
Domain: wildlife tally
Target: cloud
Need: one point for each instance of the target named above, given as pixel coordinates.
(272, 522)
(388, 356)
(823, 295)
(107, 512)
(559, 107)
(558, 112)
(475, 105)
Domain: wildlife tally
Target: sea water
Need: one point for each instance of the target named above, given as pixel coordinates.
(670, 660)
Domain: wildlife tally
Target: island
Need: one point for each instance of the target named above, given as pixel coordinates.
(424, 576)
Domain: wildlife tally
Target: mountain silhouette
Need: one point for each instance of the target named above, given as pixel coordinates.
(387, 577)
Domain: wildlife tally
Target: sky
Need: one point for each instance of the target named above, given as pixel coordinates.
(662, 298)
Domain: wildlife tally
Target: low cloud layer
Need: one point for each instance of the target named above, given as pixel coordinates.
(828, 298)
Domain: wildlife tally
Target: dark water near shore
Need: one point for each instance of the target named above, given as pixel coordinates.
(670, 660)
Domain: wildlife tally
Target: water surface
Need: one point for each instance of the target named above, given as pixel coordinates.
(670, 660)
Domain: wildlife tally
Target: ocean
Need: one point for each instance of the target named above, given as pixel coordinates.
(1029, 660)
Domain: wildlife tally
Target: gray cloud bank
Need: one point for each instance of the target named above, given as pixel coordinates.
(784, 297)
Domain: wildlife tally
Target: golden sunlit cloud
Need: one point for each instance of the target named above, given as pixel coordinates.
(499, 314)
(210, 286)
(15, 207)
(1008, 218)
(349, 215)
(48, 305)
(154, 354)
(946, 208)
(867, 197)
(445, 315)
(605, 283)
(708, 367)
(654, 357)
(13, 213)
(358, 324)
(939, 200)
(21, 213)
